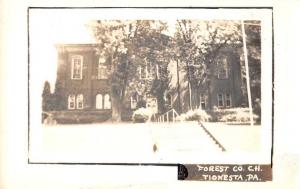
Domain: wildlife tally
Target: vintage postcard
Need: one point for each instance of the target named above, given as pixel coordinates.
(153, 86)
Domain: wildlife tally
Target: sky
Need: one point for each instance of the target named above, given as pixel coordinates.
(46, 30)
(50, 27)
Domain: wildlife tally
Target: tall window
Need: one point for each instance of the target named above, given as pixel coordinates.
(224, 100)
(79, 100)
(102, 69)
(145, 70)
(228, 99)
(99, 101)
(203, 101)
(76, 72)
(75, 102)
(222, 68)
(71, 102)
(220, 100)
(107, 102)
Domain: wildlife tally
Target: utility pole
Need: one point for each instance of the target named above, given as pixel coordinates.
(178, 88)
(247, 73)
(189, 86)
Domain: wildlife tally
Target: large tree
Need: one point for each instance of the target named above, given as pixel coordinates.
(46, 97)
(127, 46)
(199, 42)
(253, 42)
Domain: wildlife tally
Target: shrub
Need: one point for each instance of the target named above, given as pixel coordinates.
(233, 115)
(194, 115)
(76, 117)
(141, 115)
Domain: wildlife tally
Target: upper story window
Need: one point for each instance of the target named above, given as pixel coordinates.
(76, 70)
(102, 72)
(222, 68)
(145, 70)
(102, 69)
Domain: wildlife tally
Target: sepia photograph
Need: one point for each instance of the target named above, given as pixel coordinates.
(164, 87)
(149, 94)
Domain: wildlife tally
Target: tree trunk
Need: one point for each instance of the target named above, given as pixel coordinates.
(116, 105)
(116, 108)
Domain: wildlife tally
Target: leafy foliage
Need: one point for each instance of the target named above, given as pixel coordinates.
(195, 115)
(127, 46)
(46, 97)
(200, 42)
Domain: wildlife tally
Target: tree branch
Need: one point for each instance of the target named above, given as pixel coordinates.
(182, 32)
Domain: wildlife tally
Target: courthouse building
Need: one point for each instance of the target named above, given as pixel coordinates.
(83, 78)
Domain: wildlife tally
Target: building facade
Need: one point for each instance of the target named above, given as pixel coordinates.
(84, 88)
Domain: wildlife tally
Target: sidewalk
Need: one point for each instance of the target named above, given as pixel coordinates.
(137, 143)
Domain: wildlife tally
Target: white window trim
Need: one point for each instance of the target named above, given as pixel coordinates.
(99, 107)
(143, 77)
(77, 101)
(148, 74)
(101, 66)
(105, 104)
(69, 102)
(227, 99)
(81, 66)
(223, 61)
(222, 96)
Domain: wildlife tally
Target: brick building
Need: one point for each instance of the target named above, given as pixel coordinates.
(84, 88)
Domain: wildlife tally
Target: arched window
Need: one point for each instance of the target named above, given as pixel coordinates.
(71, 102)
(79, 101)
(99, 101)
(107, 103)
